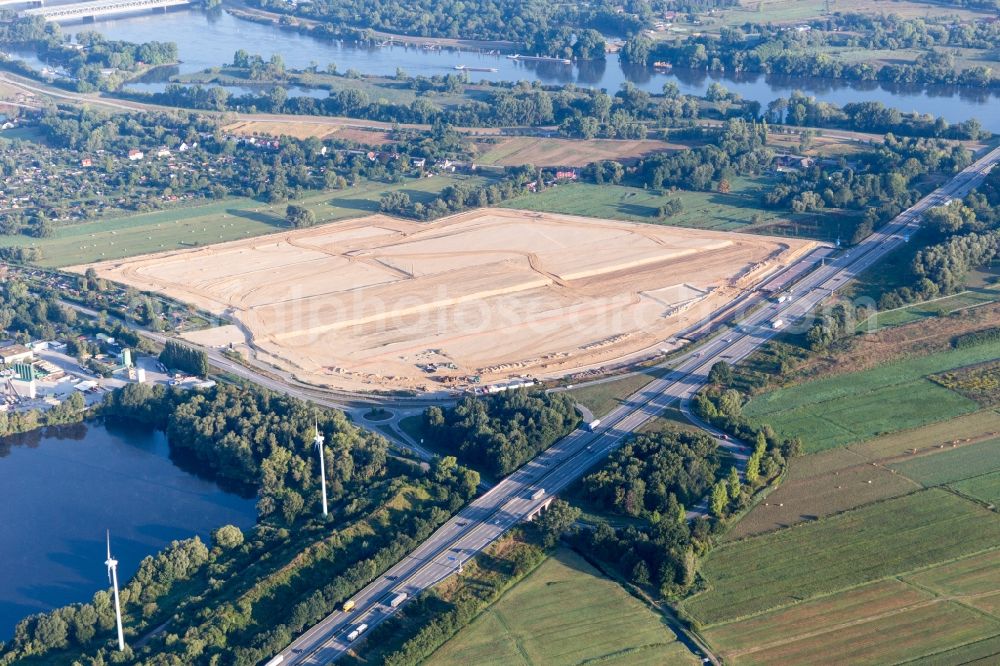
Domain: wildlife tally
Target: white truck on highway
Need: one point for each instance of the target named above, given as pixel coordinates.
(592, 426)
(777, 323)
(538, 494)
(357, 631)
(397, 600)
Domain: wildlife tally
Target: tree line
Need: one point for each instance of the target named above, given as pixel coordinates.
(179, 356)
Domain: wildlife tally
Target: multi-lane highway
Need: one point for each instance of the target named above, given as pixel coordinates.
(517, 496)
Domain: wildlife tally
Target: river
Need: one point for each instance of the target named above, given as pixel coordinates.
(63, 487)
(209, 39)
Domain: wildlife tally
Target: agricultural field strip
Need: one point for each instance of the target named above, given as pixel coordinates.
(915, 633)
(971, 461)
(844, 478)
(558, 615)
(834, 553)
(960, 580)
(842, 386)
(845, 409)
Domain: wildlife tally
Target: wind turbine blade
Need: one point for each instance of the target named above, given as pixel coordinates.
(108, 533)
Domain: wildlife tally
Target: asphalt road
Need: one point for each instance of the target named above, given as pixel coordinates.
(512, 500)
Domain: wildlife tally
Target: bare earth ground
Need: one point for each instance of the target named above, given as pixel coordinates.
(517, 151)
(492, 293)
(303, 130)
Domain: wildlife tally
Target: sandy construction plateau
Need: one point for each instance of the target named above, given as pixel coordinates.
(383, 303)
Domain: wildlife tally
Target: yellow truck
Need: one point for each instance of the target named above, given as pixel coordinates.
(348, 606)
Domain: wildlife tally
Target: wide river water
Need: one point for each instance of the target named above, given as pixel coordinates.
(63, 487)
(209, 39)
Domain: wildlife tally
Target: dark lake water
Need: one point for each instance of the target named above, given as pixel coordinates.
(208, 39)
(64, 487)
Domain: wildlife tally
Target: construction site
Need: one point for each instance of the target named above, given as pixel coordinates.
(482, 297)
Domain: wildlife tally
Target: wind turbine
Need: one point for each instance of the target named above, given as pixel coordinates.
(318, 441)
(112, 564)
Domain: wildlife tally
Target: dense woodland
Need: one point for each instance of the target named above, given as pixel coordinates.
(776, 49)
(501, 432)
(654, 474)
(563, 30)
(878, 184)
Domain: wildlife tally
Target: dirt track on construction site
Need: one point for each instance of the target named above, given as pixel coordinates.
(385, 303)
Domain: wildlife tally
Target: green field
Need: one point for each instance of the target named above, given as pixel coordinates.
(565, 612)
(971, 575)
(602, 398)
(891, 639)
(934, 308)
(954, 465)
(702, 210)
(982, 652)
(216, 222)
(867, 544)
(854, 407)
(784, 11)
(985, 488)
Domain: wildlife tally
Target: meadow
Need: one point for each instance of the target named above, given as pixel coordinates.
(734, 211)
(837, 479)
(561, 614)
(890, 639)
(937, 307)
(953, 465)
(604, 397)
(854, 407)
(812, 616)
(985, 488)
(786, 11)
(215, 222)
(867, 544)
(517, 151)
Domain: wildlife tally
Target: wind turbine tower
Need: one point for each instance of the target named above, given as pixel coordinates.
(318, 441)
(112, 564)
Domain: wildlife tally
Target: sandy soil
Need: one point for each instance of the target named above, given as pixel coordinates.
(516, 151)
(303, 130)
(370, 303)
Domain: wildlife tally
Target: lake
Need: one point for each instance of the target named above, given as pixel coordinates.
(63, 487)
(209, 39)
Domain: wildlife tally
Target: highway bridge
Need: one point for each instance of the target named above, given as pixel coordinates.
(90, 10)
(516, 497)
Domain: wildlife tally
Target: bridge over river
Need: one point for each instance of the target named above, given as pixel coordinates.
(90, 10)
